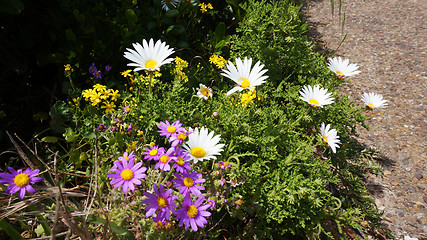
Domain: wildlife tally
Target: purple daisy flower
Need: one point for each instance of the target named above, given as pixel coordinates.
(102, 127)
(211, 202)
(167, 129)
(126, 109)
(193, 213)
(153, 153)
(164, 160)
(161, 203)
(179, 137)
(20, 181)
(107, 68)
(127, 156)
(130, 127)
(188, 183)
(92, 69)
(127, 174)
(181, 165)
(97, 74)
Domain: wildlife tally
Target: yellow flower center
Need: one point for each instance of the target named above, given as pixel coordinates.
(180, 161)
(325, 138)
(226, 164)
(192, 211)
(21, 180)
(164, 158)
(188, 182)
(313, 101)
(153, 152)
(182, 136)
(198, 152)
(159, 224)
(204, 92)
(339, 73)
(371, 105)
(245, 83)
(126, 174)
(171, 129)
(162, 202)
(150, 64)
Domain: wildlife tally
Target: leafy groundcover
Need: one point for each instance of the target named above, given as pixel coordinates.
(193, 120)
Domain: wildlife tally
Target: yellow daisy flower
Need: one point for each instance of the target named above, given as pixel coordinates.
(109, 107)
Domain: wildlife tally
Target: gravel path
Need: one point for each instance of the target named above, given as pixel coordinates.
(388, 40)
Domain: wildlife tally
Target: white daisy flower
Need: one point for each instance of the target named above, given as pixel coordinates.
(167, 3)
(373, 100)
(316, 96)
(202, 145)
(149, 56)
(204, 92)
(342, 68)
(330, 136)
(243, 75)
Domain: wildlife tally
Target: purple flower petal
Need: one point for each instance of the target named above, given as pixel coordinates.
(22, 193)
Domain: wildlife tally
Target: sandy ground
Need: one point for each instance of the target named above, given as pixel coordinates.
(388, 40)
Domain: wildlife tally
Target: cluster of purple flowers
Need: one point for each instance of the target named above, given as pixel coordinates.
(97, 73)
(222, 166)
(161, 200)
(161, 204)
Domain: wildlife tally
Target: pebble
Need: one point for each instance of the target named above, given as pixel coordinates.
(408, 169)
(425, 198)
(419, 176)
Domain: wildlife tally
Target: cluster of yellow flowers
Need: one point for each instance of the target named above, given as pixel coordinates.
(248, 97)
(140, 78)
(180, 64)
(218, 61)
(99, 93)
(68, 70)
(204, 7)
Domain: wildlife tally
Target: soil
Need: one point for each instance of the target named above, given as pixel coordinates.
(388, 41)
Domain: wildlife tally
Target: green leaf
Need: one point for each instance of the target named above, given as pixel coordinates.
(114, 227)
(171, 14)
(9, 230)
(219, 33)
(75, 157)
(50, 139)
(69, 34)
(70, 135)
(178, 30)
(130, 16)
(39, 230)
